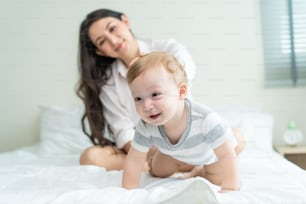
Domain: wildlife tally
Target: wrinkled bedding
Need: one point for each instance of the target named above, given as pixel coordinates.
(27, 177)
(49, 172)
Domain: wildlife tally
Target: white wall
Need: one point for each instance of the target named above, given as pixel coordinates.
(38, 51)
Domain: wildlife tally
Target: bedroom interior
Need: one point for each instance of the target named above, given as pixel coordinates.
(41, 140)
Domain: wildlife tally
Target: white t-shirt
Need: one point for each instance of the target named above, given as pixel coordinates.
(205, 131)
(119, 107)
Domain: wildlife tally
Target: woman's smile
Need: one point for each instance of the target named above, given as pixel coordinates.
(120, 45)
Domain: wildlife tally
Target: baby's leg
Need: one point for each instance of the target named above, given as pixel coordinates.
(162, 165)
(213, 173)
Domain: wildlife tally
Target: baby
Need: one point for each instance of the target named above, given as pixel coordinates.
(188, 136)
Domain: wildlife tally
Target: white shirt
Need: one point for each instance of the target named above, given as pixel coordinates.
(205, 131)
(119, 107)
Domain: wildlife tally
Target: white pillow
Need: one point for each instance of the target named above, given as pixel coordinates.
(256, 126)
(61, 130)
(258, 130)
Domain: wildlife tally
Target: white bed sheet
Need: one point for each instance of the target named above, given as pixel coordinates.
(49, 172)
(29, 177)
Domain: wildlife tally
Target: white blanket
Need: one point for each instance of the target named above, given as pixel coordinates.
(27, 177)
(49, 172)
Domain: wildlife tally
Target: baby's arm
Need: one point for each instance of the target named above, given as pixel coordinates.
(132, 169)
(228, 166)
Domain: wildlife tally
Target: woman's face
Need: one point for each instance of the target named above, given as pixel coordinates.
(112, 37)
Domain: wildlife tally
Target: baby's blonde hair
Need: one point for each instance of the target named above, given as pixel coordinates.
(153, 60)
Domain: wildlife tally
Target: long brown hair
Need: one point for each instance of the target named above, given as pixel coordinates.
(94, 71)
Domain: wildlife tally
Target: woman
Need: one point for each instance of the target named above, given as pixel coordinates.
(107, 48)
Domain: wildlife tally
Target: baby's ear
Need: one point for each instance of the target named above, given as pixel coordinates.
(183, 88)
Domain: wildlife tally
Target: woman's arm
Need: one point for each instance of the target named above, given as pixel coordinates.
(133, 166)
(120, 116)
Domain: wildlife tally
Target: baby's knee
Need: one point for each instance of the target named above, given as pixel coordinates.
(161, 169)
(162, 165)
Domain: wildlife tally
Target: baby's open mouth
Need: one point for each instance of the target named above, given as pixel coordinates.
(155, 116)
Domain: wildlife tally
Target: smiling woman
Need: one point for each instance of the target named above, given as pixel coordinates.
(112, 38)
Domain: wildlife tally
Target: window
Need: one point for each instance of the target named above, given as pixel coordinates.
(284, 41)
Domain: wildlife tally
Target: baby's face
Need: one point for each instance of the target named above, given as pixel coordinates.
(156, 95)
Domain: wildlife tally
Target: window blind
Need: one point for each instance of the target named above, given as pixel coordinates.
(284, 42)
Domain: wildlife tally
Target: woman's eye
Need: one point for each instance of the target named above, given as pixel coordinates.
(137, 99)
(112, 28)
(101, 42)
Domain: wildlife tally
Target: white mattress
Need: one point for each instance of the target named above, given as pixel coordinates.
(26, 177)
(49, 172)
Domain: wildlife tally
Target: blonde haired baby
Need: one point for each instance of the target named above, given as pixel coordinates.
(188, 136)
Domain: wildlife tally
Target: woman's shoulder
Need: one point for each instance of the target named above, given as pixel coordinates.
(156, 41)
(159, 44)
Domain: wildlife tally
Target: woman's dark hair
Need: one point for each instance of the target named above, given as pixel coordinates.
(94, 72)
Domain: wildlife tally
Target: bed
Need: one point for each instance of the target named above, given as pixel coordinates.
(49, 172)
